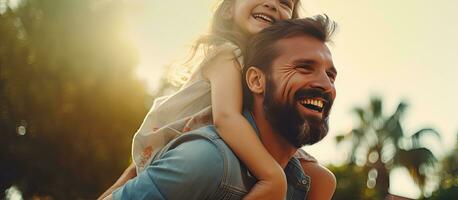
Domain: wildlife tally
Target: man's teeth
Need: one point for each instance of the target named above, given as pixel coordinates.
(264, 17)
(315, 102)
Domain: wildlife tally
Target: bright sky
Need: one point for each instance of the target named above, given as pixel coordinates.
(396, 49)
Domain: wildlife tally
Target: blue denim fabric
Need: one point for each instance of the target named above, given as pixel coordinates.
(199, 165)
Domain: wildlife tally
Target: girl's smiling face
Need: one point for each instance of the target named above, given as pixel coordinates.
(251, 16)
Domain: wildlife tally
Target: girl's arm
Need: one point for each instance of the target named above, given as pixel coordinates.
(323, 182)
(128, 174)
(225, 78)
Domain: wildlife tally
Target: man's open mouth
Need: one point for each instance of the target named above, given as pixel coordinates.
(264, 18)
(313, 104)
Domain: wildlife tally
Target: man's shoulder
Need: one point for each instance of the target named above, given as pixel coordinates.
(206, 136)
(202, 145)
(191, 161)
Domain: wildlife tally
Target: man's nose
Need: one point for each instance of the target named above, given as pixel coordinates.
(323, 82)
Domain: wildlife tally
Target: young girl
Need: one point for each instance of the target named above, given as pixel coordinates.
(214, 91)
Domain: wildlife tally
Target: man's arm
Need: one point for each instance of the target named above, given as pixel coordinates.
(323, 182)
(192, 170)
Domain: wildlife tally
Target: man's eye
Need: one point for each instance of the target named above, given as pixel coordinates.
(303, 68)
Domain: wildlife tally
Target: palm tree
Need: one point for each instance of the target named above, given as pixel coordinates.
(380, 143)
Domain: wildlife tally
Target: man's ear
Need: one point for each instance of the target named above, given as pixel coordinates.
(255, 80)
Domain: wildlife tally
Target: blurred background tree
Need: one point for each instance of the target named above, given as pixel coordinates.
(69, 97)
(380, 144)
(351, 183)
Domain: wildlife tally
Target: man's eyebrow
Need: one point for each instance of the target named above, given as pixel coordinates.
(311, 62)
(304, 61)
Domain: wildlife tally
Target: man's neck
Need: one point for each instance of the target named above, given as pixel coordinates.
(275, 144)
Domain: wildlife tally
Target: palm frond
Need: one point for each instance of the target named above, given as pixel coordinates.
(393, 129)
(402, 106)
(392, 126)
(361, 114)
(421, 133)
(356, 143)
(376, 107)
(414, 160)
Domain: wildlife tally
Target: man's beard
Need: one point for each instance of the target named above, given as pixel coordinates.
(286, 120)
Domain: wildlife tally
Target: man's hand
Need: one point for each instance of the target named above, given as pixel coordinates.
(128, 174)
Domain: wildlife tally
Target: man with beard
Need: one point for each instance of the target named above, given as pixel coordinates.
(288, 94)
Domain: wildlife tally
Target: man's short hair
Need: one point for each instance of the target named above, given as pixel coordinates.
(261, 50)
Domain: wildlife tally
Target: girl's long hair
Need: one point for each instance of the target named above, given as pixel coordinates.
(221, 31)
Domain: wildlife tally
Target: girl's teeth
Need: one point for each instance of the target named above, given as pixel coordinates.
(264, 17)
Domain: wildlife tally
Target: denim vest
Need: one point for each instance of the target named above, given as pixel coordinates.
(199, 165)
(236, 181)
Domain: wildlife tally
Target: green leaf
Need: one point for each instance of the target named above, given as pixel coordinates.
(376, 107)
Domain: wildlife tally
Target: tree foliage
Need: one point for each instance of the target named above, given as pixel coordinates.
(351, 183)
(449, 177)
(69, 97)
(380, 143)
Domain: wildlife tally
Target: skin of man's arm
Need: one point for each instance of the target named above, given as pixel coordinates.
(192, 170)
(323, 182)
(225, 78)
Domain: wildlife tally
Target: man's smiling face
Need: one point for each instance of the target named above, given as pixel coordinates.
(300, 90)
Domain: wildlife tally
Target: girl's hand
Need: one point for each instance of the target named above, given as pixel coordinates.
(269, 189)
